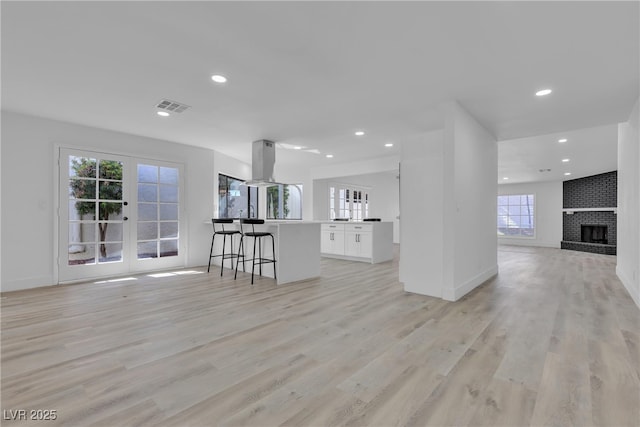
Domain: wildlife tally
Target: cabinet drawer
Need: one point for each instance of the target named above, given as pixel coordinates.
(332, 227)
(358, 228)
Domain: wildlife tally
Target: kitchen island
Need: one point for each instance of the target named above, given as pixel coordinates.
(297, 246)
(365, 241)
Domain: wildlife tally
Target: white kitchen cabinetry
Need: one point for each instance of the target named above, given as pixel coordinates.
(332, 239)
(358, 241)
(368, 242)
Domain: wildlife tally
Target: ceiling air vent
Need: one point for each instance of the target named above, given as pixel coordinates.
(171, 106)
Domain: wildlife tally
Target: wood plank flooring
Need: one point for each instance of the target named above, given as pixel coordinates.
(552, 340)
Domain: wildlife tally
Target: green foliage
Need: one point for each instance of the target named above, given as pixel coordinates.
(107, 190)
(273, 195)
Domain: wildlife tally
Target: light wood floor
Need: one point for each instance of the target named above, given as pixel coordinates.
(554, 339)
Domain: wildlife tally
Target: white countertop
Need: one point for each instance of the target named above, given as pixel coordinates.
(297, 221)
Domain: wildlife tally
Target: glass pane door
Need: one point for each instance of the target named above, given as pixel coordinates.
(157, 241)
(93, 213)
(117, 215)
(157, 223)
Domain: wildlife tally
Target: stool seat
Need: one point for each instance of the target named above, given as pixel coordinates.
(257, 237)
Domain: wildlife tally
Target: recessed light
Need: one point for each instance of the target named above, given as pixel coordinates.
(565, 160)
(329, 156)
(388, 144)
(297, 148)
(543, 92)
(506, 177)
(218, 78)
(163, 113)
(359, 133)
(567, 173)
(562, 140)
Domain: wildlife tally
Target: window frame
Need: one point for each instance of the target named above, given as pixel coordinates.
(534, 215)
(300, 189)
(250, 190)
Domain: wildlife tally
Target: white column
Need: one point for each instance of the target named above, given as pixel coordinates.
(448, 208)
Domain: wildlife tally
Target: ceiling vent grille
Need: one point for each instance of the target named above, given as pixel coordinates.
(171, 106)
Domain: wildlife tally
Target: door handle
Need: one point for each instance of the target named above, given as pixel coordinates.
(126, 218)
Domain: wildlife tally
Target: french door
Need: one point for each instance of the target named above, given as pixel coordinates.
(117, 215)
(348, 202)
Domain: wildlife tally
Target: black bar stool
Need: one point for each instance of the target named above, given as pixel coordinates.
(224, 233)
(257, 236)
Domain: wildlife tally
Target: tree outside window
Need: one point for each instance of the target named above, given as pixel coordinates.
(109, 192)
(284, 201)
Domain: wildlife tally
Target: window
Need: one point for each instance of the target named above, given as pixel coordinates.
(516, 215)
(236, 200)
(284, 201)
(346, 201)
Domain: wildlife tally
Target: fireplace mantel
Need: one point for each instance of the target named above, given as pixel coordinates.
(570, 211)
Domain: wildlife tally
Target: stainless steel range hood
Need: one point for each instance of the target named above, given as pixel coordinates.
(263, 160)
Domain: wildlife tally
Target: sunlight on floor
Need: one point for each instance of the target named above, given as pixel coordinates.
(174, 273)
(121, 279)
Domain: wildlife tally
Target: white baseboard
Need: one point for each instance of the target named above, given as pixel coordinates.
(28, 283)
(534, 243)
(629, 286)
(460, 291)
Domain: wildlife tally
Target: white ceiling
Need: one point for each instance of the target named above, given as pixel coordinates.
(312, 73)
(590, 151)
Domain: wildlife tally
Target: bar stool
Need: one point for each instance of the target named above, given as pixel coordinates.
(224, 233)
(257, 236)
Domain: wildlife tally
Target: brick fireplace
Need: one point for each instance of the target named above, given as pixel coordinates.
(589, 220)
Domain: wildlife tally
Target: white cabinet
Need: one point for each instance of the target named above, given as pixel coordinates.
(332, 239)
(358, 240)
(369, 242)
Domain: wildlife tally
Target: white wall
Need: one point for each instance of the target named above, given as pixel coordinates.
(448, 208)
(422, 214)
(29, 173)
(363, 167)
(472, 211)
(548, 213)
(384, 196)
(628, 268)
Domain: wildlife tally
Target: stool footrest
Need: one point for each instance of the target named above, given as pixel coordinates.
(227, 256)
